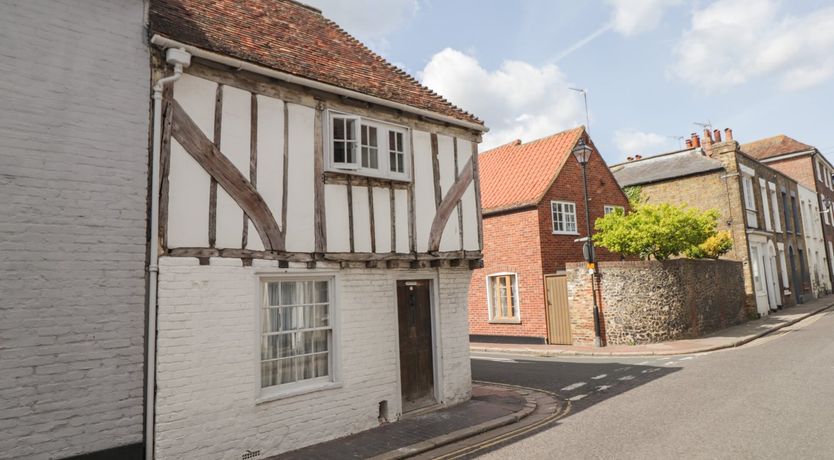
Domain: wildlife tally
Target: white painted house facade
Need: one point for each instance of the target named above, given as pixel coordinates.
(315, 238)
(814, 240)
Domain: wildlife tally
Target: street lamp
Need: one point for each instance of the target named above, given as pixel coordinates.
(583, 152)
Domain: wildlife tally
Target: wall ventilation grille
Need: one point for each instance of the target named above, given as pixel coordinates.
(250, 454)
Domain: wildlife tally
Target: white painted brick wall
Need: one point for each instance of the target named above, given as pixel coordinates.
(206, 360)
(73, 174)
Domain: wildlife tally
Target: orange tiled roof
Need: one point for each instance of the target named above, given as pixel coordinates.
(774, 146)
(293, 38)
(516, 175)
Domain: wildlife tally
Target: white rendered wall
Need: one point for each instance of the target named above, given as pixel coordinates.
(206, 397)
(235, 127)
(469, 207)
(382, 219)
(74, 118)
(424, 204)
(301, 190)
(188, 182)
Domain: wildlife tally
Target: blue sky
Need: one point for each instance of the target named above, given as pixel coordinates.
(651, 67)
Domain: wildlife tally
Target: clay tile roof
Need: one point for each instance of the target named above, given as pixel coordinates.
(774, 146)
(293, 38)
(515, 175)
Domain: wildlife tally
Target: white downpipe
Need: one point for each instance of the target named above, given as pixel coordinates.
(153, 267)
(243, 65)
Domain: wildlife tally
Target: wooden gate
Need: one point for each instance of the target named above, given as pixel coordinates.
(558, 318)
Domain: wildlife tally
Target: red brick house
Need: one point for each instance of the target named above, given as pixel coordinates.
(533, 213)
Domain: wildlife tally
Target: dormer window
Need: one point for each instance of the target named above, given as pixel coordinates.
(362, 146)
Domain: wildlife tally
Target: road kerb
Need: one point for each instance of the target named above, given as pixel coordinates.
(464, 433)
(688, 351)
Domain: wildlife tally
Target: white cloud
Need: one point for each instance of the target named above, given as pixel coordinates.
(369, 20)
(630, 142)
(633, 17)
(731, 42)
(517, 101)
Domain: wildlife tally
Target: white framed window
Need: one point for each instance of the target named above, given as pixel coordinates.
(827, 177)
(749, 200)
(564, 217)
(502, 298)
(609, 208)
(819, 170)
(367, 147)
(765, 205)
(295, 334)
(825, 211)
(774, 199)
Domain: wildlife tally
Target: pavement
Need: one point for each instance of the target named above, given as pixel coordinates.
(726, 338)
(491, 408)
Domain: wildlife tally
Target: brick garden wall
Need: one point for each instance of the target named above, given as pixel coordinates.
(73, 179)
(207, 391)
(656, 301)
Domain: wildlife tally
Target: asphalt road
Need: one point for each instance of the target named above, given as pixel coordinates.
(773, 398)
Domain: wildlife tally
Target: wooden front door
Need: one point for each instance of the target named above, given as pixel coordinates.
(558, 317)
(416, 360)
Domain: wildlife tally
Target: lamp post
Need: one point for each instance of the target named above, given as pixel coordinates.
(583, 152)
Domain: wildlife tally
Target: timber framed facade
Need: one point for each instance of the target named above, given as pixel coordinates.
(316, 237)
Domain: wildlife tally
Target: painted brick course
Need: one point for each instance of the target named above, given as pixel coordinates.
(73, 174)
(206, 406)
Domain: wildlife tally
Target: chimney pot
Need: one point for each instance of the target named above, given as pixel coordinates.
(517, 142)
(689, 143)
(717, 134)
(707, 136)
(728, 134)
(630, 158)
(638, 157)
(696, 141)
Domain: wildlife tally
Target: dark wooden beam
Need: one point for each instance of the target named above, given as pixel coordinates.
(372, 224)
(189, 135)
(435, 166)
(253, 160)
(218, 115)
(165, 166)
(350, 215)
(320, 228)
(285, 181)
(448, 205)
(476, 178)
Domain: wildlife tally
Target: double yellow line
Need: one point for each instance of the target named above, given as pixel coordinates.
(466, 450)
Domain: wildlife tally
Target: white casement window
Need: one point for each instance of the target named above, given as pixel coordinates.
(295, 333)
(774, 199)
(827, 177)
(825, 211)
(749, 200)
(367, 147)
(564, 217)
(819, 171)
(502, 289)
(609, 208)
(784, 265)
(765, 204)
(396, 151)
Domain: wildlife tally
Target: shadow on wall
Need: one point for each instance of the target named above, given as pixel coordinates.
(658, 301)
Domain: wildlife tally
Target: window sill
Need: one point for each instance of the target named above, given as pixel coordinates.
(276, 394)
(505, 321)
(335, 173)
(566, 233)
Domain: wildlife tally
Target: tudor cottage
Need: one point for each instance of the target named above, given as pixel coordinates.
(318, 221)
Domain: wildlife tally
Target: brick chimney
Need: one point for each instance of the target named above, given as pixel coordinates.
(728, 134)
(716, 135)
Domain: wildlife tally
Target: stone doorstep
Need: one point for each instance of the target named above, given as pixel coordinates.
(464, 433)
(565, 350)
